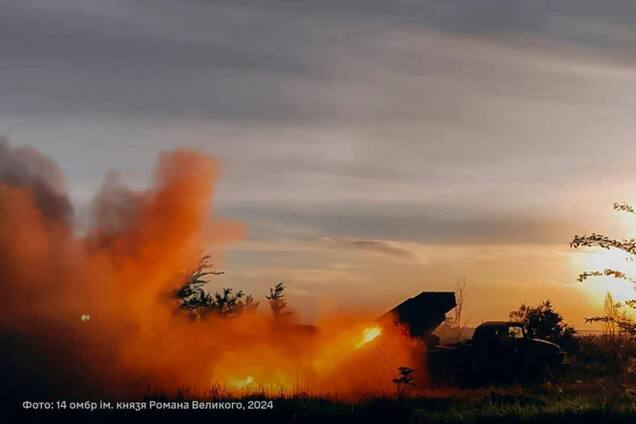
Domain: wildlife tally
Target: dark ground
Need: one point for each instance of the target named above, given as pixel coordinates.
(589, 392)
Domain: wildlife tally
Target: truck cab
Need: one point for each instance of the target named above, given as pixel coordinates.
(498, 351)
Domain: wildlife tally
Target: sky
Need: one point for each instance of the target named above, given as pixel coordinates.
(372, 149)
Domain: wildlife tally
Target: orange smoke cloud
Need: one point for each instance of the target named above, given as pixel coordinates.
(98, 309)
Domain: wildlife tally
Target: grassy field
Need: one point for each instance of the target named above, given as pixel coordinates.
(599, 386)
(491, 408)
(598, 401)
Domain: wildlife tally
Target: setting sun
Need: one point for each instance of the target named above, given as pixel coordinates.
(600, 260)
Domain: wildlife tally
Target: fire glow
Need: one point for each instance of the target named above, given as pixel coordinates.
(242, 383)
(123, 271)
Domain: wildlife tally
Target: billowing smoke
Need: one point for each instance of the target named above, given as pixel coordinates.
(96, 313)
(26, 167)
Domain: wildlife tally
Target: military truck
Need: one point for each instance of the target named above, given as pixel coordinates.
(498, 350)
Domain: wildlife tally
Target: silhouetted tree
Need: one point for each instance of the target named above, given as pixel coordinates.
(193, 298)
(191, 294)
(277, 302)
(544, 322)
(611, 310)
(229, 303)
(453, 326)
(618, 316)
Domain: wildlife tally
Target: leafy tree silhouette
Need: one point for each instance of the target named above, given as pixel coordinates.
(194, 299)
(277, 302)
(191, 294)
(228, 303)
(544, 322)
(619, 317)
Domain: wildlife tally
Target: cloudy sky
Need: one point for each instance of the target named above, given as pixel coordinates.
(373, 149)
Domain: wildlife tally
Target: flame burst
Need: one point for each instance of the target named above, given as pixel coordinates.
(330, 361)
(123, 271)
(368, 335)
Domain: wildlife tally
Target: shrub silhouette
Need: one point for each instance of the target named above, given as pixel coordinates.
(404, 380)
(544, 322)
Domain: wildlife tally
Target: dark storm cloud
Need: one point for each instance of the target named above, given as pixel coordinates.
(406, 120)
(239, 60)
(65, 60)
(588, 22)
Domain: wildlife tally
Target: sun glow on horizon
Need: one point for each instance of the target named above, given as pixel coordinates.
(600, 260)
